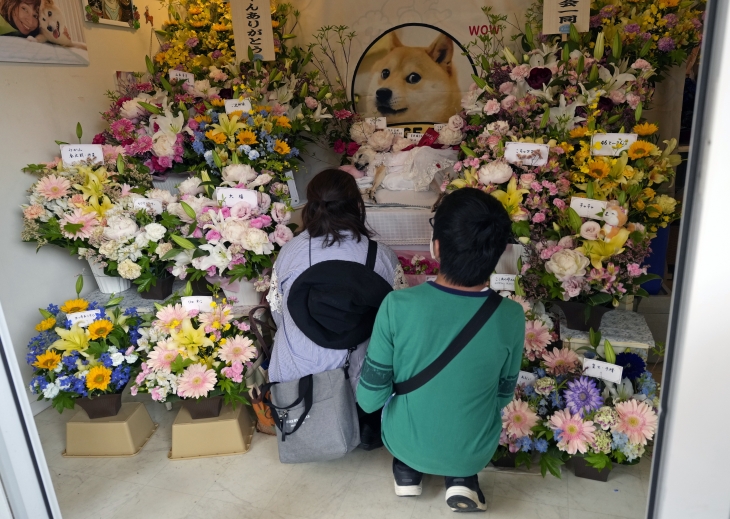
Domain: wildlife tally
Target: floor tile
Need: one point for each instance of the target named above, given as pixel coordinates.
(66, 482)
(505, 508)
(97, 498)
(156, 503)
(140, 469)
(193, 477)
(624, 494)
(582, 514)
(547, 491)
(371, 497)
(214, 509)
(377, 463)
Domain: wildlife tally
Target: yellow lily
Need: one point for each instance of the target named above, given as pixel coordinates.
(93, 182)
(99, 205)
(512, 198)
(598, 250)
(71, 340)
(227, 126)
(190, 339)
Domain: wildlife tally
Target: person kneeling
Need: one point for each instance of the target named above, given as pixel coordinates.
(449, 352)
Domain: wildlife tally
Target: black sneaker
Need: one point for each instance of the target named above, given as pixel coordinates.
(370, 439)
(464, 495)
(407, 480)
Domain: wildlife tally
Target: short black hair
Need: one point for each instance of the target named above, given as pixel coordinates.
(334, 207)
(473, 230)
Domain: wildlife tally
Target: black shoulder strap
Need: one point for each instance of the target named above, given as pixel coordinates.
(460, 341)
(280, 414)
(372, 254)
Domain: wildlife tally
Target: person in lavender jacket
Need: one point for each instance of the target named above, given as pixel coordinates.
(334, 221)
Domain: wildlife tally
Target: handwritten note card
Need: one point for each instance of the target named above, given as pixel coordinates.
(235, 105)
(398, 132)
(414, 137)
(231, 196)
(380, 122)
(603, 370)
(526, 153)
(252, 29)
(182, 77)
(83, 319)
(557, 15)
(200, 303)
(75, 153)
(502, 282)
(526, 379)
(148, 204)
(612, 144)
(588, 207)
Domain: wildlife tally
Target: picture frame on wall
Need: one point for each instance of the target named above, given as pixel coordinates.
(119, 13)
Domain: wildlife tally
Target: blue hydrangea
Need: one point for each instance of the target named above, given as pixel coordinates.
(69, 362)
(646, 384)
(131, 311)
(541, 445)
(253, 155)
(556, 400)
(250, 121)
(120, 376)
(244, 149)
(202, 126)
(77, 386)
(293, 153)
(53, 309)
(529, 391)
(542, 411)
(264, 113)
(198, 147)
(213, 117)
(540, 372)
(106, 359)
(209, 158)
(524, 443)
(619, 440)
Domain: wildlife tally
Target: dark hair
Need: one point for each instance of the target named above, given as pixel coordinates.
(473, 229)
(334, 207)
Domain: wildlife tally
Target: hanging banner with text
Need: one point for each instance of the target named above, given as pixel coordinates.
(557, 15)
(252, 28)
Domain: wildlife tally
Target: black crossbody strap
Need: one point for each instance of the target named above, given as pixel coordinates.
(460, 341)
(372, 254)
(306, 393)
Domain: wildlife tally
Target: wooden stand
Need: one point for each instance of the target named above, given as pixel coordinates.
(114, 436)
(227, 434)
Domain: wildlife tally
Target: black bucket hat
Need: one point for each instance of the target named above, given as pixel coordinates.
(334, 303)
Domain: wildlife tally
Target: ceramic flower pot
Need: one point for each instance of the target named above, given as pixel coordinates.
(161, 290)
(582, 469)
(575, 315)
(101, 406)
(508, 461)
(108, 284)
(244, 292)
(204, 407)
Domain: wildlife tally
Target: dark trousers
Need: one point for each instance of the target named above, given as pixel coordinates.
(372, 420)
(402, 467)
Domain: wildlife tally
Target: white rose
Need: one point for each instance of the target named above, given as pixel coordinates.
(117, 358)
(164, 143)
(261, 180)
(257, 241)
(567, 263)
(131, 109)
(162, 195)
(142, 240)
(234, 231)
(496, 172)
(280, 213)
(236, 174)
(456, 122)
(361, 131)
(120, 228)
(191, 186)
(155, 232)
(450, 137)
(381, 140)
(129, 269)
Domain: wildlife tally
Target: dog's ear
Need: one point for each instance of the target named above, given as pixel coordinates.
(442, 51)
(394, 41)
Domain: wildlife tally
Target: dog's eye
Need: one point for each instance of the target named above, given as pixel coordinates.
(50, 13)
(385, 74)
(413, 78)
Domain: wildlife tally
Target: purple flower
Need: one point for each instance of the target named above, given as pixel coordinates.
(192, 42)
(671, 19)
(645, 36)
(608, 11)
(216, 54)
(665, 44)
(605, 104)
(696, 23)
(632, 28)
(634, 366)
(538, 77)
(595, 21)
(582, 396)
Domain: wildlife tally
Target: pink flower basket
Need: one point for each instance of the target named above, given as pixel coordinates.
(416, 279)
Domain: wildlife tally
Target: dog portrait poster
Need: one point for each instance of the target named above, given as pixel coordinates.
(42, 31)
(413, 73)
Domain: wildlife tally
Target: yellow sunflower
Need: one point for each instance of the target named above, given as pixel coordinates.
(281, 147)
(74, 305)
(283, 121)
(46, 324)
(217, 102)
(598, 169)
(48, 360)
(98, 377)
(218, 138)
(100, 329)
(645, 129)
(640, 150)
(578, 132)
(246, 137)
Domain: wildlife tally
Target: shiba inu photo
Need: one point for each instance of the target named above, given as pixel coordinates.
(53, 26)
(415, 84)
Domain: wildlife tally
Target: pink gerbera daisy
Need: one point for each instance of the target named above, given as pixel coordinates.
(238, 348)
(170, 317)
(162, 356)
(521, 301)
(561, 361)
(518, 419)
(636, 420)
(196, 382)
(53, 187)
(216, 318)
(537, 337)
(573, 434)
(87, 221)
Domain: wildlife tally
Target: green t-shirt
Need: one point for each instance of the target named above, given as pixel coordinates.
(451, 425)
(6, 29)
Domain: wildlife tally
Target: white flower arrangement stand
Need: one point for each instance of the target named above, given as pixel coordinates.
(228, 434)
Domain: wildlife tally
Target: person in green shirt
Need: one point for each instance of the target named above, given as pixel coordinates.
(451, 425)
(19, 17)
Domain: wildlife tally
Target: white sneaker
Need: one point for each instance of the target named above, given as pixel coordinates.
(407, 490)
(464, 495)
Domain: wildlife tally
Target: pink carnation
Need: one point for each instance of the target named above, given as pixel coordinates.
(538, 218)
(492, 107)
(33, 212)
(506, 88)
(234, 372)
(508, 102)
(559, 203)
(635, 270)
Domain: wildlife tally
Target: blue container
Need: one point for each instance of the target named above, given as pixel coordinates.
(657, 260)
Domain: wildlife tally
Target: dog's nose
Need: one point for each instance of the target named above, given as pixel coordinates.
(383, 95)
(49, 28)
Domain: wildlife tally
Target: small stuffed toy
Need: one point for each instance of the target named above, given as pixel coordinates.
(615, 219)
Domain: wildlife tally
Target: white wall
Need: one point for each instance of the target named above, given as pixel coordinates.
(40, 104)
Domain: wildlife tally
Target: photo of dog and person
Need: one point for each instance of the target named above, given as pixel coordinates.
(42, 31)
(412, 74)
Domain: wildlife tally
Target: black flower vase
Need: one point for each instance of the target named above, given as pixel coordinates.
(161, 290)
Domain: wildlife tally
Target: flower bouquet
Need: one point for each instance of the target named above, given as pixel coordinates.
(83, 350)
(417, 268)
(195, 354)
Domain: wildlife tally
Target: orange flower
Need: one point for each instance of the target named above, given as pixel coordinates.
(598, 169)
(281, 147)
(218, 138)
(246, 137)
(640, 150)
(578, 132)
(283, 121)
(645, 129)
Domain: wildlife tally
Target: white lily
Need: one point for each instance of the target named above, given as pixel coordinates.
(218, 257)
(616, 80)
(169, 124)
(564, 114)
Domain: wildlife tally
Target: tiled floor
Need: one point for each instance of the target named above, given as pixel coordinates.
(257, 486)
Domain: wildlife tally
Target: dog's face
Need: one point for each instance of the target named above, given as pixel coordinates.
(363, 157)
(419, 79)
(52, 22)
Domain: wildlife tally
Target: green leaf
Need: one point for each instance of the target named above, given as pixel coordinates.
(182, 242)
(150, 108)
(550, 463)
(46, 314)
(63, 400)
(523, 458)
(79, 132)
(189, 210)
(574, 35)
(598, 461)
(521, 228)
(574, 220)
(479, 81)
(171, 254)
(599, 299)
(179, 364)
(640, 280)
(150, 65)
(608, 352)
(79, 285)
(641, 293)
(528, 34)
(467, 151)
(95, 349)
(166, 84)
(114, 301)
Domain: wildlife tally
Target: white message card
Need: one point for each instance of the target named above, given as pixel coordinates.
(380, 122)
(200, 303)
(588, 207)
(83, 319)
(603, 370)
(293, 192)
(236, 105)
(526, 153)
(526, 379)
(74, 153)
(182, 77)
(414, 137)
(612, 144)
(148, 204)
(398, 132)
(502, 282)
(230, 196)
